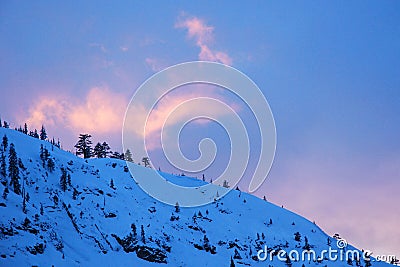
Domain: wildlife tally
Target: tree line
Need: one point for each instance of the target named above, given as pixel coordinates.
(100, 150)
(83, 146)
(13, 166)
(41, 134)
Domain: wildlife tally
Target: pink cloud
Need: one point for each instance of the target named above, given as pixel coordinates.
(48, 110)
(100, 112)
(203, 35)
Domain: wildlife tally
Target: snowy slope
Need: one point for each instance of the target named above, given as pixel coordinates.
(92, 224)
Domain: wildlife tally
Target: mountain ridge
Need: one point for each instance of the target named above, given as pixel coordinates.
(99, 222)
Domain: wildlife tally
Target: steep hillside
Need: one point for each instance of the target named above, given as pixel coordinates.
(104, 219)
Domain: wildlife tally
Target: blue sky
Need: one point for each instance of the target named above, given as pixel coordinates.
(329, 70)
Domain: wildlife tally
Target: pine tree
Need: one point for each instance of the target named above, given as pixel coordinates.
(50, 165)
(43, 134)
(55, 200)
(98, 151)
(146, 161)
(5, 143)
(74, 194)
(41, 154)
(21, 165)
(106, 149)
(306, 244)
(25, 130)
(24, 204)
(232, 263)
(69, 179)
(206, 241)
(128, 155)
(13, 170)
(102, 150)
(35, 134)
(133, 226)
(83, 146)
(297, 236)
(5, 192)
(3, 165)
(44, 155)
(63, 180)
(142, 234)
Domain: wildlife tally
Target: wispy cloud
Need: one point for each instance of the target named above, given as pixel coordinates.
(203, 34)
(99, 46)
(154, 64)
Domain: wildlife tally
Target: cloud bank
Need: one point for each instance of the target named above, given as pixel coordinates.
(101, 112)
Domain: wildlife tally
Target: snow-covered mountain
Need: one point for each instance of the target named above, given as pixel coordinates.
(104, 219)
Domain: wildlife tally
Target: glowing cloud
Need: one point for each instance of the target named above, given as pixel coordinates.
(101, 112)
(203, 34)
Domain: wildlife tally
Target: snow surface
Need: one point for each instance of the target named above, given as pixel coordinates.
(88, 235)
